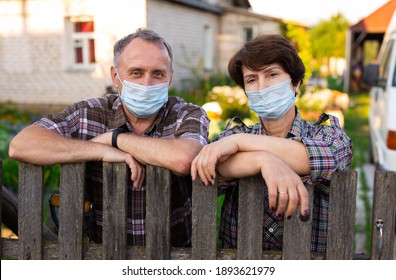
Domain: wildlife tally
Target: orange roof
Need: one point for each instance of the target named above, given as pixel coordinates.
(378, 21)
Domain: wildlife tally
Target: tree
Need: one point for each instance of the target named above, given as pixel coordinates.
(328, 39)
(300, 37)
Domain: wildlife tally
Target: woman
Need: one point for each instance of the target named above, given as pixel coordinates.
(285, 149)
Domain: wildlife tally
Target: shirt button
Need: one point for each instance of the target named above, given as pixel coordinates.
(271, 230)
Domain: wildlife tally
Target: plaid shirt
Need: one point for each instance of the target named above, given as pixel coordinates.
(95, 116)
(329, 149)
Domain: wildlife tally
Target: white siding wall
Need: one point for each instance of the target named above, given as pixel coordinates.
(184, 29)
(231, 36)
(32, 58)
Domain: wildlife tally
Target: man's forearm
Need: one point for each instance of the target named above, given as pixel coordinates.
(173, 154)
(38, 145)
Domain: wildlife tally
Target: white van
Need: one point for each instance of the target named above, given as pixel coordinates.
(382, 117)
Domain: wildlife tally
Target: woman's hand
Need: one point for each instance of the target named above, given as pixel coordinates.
(285, 188)
(204, 164)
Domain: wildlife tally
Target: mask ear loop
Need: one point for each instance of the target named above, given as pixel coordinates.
(296, 90)
(118, 77)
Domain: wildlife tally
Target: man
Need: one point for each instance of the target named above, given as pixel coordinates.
(140, 125)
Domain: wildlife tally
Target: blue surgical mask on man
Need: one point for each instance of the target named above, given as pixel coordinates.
(273, 102)
(143, 101)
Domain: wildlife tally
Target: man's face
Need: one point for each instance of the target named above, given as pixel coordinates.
(144, 63)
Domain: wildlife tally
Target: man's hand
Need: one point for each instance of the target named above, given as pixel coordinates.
(110, 154)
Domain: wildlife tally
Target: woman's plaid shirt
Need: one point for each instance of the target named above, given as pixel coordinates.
(329, 149)
(177, 119)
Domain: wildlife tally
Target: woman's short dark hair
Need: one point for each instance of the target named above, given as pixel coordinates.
(264, 50)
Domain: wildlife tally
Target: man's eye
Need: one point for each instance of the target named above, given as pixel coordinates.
(159, 75)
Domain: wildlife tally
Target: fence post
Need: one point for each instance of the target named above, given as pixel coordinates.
(250, 218)
(71, 191)
(158, 194)
(342, 211)
(297, 233)
(384, 211)
(204, 210)
(115, 194)
(30, 212)
(1, 207)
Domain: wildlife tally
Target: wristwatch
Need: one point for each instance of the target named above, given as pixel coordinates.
(115, 136)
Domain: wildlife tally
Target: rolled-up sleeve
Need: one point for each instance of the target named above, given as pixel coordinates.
(329, 149)
(193, 125)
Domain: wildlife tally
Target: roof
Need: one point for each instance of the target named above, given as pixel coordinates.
(216, 7)
(201, 5)
(378, 21)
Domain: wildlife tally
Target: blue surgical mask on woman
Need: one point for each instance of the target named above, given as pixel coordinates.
(273, 102)
(143, 101)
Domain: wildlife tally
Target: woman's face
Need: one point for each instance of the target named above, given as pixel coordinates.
(268, 76)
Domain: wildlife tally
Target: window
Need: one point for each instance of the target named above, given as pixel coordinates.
(247, 34)
(81, 50)
(384, 66)
(208, 48)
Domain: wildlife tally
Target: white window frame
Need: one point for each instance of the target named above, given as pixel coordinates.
(84, 37)
(208, 52)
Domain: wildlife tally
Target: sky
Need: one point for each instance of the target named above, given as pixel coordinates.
(310, 12)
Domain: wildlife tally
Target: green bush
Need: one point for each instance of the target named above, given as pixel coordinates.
(12, 121)
(232, 100)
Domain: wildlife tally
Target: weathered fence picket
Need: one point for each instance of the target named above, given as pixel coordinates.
(297, 231)
(342, 208)
(250, 218)
(158, 193)
(30, 211)
(204, 210)
(71, 190)
(384, 215)
(297, 234)
(115, 217)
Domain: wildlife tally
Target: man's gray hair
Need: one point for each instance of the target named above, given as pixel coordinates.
(145, 34)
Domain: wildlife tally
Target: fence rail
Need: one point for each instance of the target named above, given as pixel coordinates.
(297, 233)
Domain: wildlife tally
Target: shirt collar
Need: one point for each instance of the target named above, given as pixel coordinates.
(296, 128)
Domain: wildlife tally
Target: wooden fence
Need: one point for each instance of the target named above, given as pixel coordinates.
(297, 233)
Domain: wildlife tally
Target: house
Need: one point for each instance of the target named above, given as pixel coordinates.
(60, 51)
(365, 34)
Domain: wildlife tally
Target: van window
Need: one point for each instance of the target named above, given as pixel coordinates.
(385, 63)
(394, 76)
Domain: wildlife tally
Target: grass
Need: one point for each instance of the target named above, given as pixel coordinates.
(356, 126)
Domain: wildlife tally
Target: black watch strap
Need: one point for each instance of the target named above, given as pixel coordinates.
(115, 136)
